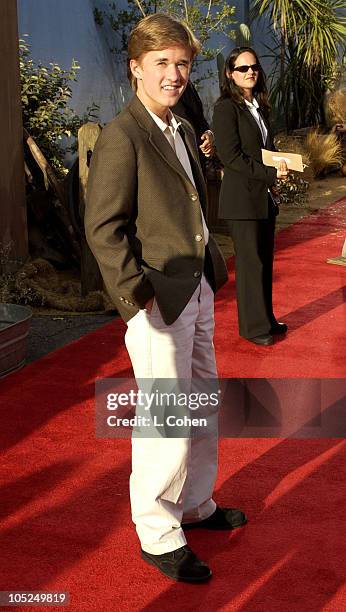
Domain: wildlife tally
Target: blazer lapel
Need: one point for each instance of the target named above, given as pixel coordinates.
(269, 140)
(156, 137)
(162, 146)
(188, 140)
(255, 124)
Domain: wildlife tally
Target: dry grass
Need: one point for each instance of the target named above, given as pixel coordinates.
(324, 151)
(294, 143)
(37, 284)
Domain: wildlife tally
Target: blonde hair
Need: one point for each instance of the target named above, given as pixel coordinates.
(155, 32)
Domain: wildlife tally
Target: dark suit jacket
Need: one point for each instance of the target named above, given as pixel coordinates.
(238, 139)
(190, 107)
(143, 220)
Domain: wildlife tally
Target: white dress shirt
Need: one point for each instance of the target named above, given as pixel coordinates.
(253, 108)
(175, 140)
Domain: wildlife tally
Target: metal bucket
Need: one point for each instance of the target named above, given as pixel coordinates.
(14, 328)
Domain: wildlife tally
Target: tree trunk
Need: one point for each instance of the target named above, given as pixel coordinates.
(13, 222)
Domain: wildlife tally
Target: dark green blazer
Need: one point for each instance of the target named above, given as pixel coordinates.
(238, 139)
(143, 220)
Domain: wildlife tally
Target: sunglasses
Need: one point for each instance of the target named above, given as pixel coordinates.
(245, 68)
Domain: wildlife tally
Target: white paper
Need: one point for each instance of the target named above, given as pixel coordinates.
(294, 161)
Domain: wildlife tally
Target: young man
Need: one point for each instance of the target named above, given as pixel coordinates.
(145, 223)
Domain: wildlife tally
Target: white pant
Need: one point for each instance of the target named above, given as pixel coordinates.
(172, 479)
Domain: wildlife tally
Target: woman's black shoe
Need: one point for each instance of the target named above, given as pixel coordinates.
(278, 328)
(180, 564)
(263, 339)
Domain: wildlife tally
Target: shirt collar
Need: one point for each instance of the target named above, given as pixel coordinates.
(174, 124)
(253, 103)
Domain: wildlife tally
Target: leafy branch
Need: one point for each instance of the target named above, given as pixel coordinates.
(45, 94)
(204, 17)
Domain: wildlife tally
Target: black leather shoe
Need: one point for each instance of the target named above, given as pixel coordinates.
(222, 518)
(263, 340)
(180, 564)
(279, 328)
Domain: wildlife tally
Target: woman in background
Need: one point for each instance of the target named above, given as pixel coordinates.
(241, 130)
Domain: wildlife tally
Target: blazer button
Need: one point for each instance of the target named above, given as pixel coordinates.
(198, 237)
(194, 197)
(121, 298)
(197, 274)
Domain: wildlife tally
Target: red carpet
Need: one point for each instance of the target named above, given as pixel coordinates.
(64, 495)
(309, 295)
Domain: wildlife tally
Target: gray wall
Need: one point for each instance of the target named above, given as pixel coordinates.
(60, 30)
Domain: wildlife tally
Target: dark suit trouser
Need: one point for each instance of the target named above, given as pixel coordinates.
(254, 252)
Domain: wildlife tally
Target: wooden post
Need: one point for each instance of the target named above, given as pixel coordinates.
(91, 279)
(13, 222)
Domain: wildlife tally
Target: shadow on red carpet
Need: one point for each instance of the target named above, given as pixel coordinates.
(64, 494)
